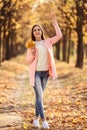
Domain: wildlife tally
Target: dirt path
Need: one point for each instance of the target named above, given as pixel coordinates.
(65, 102)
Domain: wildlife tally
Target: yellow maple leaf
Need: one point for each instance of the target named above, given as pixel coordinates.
(25, 125)
(30, 44)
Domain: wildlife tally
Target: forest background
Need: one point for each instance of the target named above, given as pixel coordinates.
(17, 17)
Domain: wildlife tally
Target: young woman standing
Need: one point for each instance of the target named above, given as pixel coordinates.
(41, 66)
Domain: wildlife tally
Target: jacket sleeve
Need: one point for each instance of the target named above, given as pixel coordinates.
(29, 57)
(58, 35)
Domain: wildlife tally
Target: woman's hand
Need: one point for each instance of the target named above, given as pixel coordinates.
(53, 18)
(33, 51)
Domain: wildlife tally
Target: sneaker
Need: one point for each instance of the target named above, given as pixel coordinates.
(45, 125)
(36, 122)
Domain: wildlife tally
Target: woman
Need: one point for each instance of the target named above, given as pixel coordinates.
(41, 66)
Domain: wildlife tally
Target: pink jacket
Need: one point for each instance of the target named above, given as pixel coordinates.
(48, 44)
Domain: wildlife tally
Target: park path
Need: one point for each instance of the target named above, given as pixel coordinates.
(19, 103)
(65, 100)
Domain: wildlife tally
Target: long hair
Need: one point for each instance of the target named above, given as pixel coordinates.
(32, 35)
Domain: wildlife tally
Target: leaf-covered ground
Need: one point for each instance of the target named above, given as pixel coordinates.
(65, 99)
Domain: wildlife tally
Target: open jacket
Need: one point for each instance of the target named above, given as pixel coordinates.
(33, 61)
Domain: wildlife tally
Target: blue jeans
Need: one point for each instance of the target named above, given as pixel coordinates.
(41, 78)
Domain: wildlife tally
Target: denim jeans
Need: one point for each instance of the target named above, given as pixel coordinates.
(41, 78)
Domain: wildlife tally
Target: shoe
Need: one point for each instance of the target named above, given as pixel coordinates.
(36, 122)
(45, 125)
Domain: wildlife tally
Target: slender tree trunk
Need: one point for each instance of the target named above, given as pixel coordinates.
(69, 42)
(58, 50)
(8, 42)
(4, 41)
(71, 47)
(8, 39)
(11, 47)
(79, 26)
(64, 47)
(85, 50)
(0, 47)
(15, 45)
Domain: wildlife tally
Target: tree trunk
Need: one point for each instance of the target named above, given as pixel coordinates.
(8, 42)
(4, 42)
(0, 47)
(11, 44)
(71, 47)
(79, 26)
(58, 50)
(69, 42)
(8, 39)
(64, 47)
(85, 47)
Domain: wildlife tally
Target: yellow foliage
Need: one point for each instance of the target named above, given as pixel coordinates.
(18, 26)
(13, 20)
(1, 17)
(25, 125)
(30, 44)
(7, 33)
(13, 1)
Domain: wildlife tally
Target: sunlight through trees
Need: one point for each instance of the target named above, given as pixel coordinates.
(19, 16)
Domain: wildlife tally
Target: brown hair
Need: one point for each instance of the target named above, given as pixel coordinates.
(32, 35)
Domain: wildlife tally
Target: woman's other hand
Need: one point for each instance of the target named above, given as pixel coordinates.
(53, 18)
(33, 51)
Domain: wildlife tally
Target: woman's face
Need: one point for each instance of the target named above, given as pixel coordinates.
(37, 32)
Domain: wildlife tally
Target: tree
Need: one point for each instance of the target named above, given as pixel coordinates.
(79, 29)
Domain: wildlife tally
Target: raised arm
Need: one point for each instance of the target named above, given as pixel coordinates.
(58, 35)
